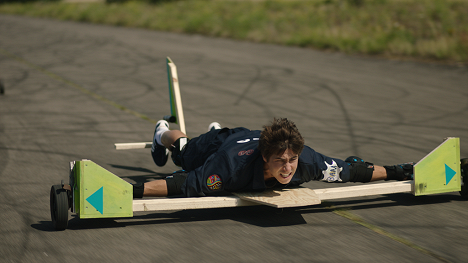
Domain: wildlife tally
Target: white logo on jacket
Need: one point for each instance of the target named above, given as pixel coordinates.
(248, 140)
(332, 173)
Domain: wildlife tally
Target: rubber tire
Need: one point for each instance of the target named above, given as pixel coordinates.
(464, 174)
(59, 207)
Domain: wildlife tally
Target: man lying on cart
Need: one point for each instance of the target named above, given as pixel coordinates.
(226, 160)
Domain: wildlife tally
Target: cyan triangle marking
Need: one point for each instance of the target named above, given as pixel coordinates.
(449, 174)
(97, 199)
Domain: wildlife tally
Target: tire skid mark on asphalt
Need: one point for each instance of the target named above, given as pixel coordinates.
(344, 111)
(76, 86)
(358, 220)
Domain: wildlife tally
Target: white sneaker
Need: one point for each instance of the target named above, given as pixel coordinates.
(159, 152)
(162, 123)
(214, 126)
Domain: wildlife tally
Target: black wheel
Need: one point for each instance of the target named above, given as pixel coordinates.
(464, 174)
(59, 207)
(2, 88)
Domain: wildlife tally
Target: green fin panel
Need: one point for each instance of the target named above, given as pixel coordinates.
(439, 171)
(101, 194)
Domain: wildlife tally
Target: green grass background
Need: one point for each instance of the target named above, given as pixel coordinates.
(435, 30)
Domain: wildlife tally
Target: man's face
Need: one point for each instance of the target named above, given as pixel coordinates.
(282, 166)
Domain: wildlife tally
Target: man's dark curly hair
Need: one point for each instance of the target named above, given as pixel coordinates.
(281, 135)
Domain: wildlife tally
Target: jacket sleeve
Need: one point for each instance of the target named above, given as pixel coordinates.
(312, 166)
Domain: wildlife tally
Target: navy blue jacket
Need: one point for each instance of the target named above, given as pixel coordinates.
(238, 166)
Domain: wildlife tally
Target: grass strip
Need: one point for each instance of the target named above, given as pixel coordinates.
(417, 29)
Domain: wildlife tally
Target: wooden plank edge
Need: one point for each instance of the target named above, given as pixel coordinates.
(166, 204)
(365, 190)
(308, 198)
(132, 145)
(177, 97)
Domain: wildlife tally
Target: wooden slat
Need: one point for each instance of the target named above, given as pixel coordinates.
(283, 198)
(176, 92)
(165, 204)
(364, 190)
(132, 145)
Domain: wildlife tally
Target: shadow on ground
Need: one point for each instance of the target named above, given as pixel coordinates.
(261, 216)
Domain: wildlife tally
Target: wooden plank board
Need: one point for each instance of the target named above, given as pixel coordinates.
(251, 199)
(132, 145)
(174, 95)
(166, 204)
(364, 190)
(283, 198)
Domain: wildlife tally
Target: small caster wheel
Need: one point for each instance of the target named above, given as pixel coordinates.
(464, 174)
(59, 207)
(2, 88)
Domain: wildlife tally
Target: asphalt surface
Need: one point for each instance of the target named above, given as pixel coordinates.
(72, 90)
